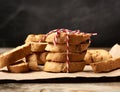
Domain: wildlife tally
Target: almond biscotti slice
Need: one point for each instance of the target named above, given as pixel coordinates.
(62, 47)
(62, 67)
(34, 38)
(106, 66)
(15, 54)
(62, 57)
(96, 55)
(32, 61)
(40, 58)
(38, 46)
(18, 67)
(60, 37)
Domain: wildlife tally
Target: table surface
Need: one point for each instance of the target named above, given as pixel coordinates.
(59, 87)
(48, 87)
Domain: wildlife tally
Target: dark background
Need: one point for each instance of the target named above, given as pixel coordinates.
(18, 18)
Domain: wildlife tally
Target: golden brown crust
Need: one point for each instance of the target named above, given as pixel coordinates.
(77, 45)
(39, 58)
(62, 47)
(106, 66)
(32, 60)
(88, 58)
(42, 58)
(96, 55)
(34, 38)
(73, 38)
(38, 46)
(19, 67)
(61, 57)
(61, 67)
(15, 54)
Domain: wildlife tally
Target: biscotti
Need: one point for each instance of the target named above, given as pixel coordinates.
(62, 67)
(18, 67)
(106, 66)
(32, 60)
(73, 37)
(61, 57)
(34, 38)
(38, 46)
(42, 58)
(96, 55)
(38, 57)
(15, 54)
(62, 47)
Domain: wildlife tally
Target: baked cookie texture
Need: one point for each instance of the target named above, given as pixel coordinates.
(32, 45)
(110, 62)
(62, 47)
(15, 54)
(19, 66)
(32, 62)
(66, 50)
(62, 67)
(34, 38)
(96, 55)
(61, 57)
(106, 66)
(74, 38)
(38, 55)
(38, 46)
(39, 58)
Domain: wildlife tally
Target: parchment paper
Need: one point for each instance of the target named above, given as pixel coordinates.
(45, 75)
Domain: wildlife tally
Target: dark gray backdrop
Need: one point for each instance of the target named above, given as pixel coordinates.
(18, 18)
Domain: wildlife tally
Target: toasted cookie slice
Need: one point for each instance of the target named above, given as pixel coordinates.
(62, 47)
(106, 66)
(62, 57)
(38, 46)
(33, 62)
(40, 58)
(34, 38)
(88, 58)
(15, 54)
(97, 55)
(62, 67)
(61, 36)
(18, 67)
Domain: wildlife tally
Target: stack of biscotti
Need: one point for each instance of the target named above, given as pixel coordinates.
(15, 56)
(25, 57)
(38, 51)
(66, 50)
